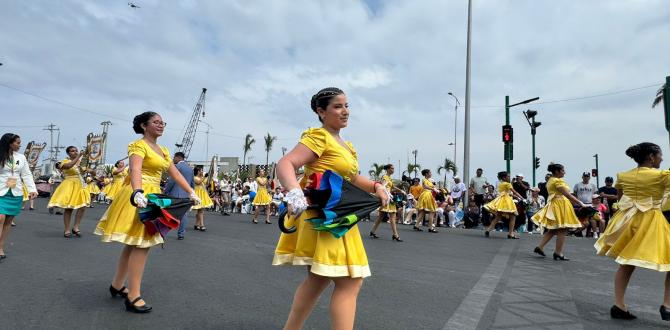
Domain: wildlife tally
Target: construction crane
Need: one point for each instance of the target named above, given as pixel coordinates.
(192, 125)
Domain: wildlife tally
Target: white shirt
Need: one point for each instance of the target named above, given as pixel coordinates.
(225, 185)
(457, 190)
(18, 169)
(585, 192)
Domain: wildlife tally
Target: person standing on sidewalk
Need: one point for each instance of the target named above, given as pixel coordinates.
(478, 186)
(174, 190)
(638, 235)
(14, 176)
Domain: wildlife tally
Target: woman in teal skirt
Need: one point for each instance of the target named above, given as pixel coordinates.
(14, 173)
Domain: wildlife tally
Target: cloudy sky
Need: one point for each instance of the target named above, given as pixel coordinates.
(78, 63)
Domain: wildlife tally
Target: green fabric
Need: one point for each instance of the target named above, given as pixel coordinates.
(10, 204)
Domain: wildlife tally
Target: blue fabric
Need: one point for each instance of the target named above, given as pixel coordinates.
(172, 188)
(10, 204)
(182, 226)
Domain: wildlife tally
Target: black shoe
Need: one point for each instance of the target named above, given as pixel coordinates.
(665, 313)
(32, 208)
(196, 227)
(373, 235)
(539, 251)
(76, 233)
(181, 238)
(2, 256)
(561, 257)
(131, 307)
(226, 213)
(396, 238)
(417, 228)
(486, 233)
(67, 235)
(512, 237)
(432, 230)
(203, 228)
(119, 292)
(13, 224)
(618, 313)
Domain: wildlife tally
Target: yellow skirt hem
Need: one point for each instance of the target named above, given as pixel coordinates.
(126, 239)
(65, 206)
(353, 271)
(202, 206)
(631, 262)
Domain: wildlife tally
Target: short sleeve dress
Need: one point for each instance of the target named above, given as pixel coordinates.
(558, 213)
(70, 194)
(201, 191)
(328, 256)
(638, 234)
(426, 200)
(116, 185)
(504, 203)
(121, 222)
(388, 183)
(262, 196)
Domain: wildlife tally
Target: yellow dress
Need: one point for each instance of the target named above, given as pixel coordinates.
(558, 213)
(121, 222)
(327, 255)
(504, 203)
(201, 191)
(262, 196)
(116, 185)
(25, 193)
(91, 187)
(426, 199)
(70, 194)
(638, 234)
(388, 183)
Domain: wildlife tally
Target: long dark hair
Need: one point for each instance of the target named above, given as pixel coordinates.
(5, 150)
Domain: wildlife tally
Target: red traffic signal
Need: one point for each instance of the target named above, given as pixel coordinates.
(507, 134)
(594, 172)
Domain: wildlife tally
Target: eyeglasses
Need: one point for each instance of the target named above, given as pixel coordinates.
(159, 123)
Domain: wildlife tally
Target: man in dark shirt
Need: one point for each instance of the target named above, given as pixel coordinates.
(609, 194)
(522, 188)
(543, 187)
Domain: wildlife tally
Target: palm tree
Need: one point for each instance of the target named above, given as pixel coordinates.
(660, 95)
(413, 168)
(449, 166)
(376, 171)
(269, 140)
(248, 142)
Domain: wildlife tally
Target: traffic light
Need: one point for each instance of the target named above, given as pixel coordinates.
(537, 162)
(594, 172)
(507, 134)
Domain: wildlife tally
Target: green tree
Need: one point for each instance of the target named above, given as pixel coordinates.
(660, 95)
(248, 142)
(376, 171)
(448, 166)
(269, 141)
(413, 168)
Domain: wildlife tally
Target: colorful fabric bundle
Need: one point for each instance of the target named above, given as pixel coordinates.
(340, 204)
(163, 212)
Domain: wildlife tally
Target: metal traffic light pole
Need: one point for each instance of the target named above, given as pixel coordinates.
(530, 118)
(509, 145)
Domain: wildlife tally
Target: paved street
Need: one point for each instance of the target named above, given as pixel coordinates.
(223, 278)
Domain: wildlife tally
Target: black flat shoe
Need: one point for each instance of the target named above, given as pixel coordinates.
(539, 251)
(396, 238)
(557, 257)
(67, 235)
(196, 227)
(373, 235)
(618, 313)
(203, 228)
(417, 228)
(486, 233)
(268, 222)
(119, 292)
(433, 230)
(665, 313)
(131, 307)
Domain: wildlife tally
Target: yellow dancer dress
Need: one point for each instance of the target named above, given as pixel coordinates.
(201, 191)
(426, 199)
(504, 202)
(116, 185)
(70, 194)
(92, 187)
(262, 196)
(121, 222)
(388, 183)
(558, 213)
(638, 234)
(327, 255)
(25, 193)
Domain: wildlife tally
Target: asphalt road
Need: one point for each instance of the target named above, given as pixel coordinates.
(223, 279)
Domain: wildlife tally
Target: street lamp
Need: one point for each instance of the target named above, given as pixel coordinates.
(455, 122)
(530, 118)
(508, 145)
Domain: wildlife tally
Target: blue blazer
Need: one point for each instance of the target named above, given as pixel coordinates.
(173, 189)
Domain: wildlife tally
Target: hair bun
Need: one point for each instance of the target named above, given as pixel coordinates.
(633, 151)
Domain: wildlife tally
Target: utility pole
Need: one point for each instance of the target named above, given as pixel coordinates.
(466, 131)
(455, 125)
(597, 174)
(509, 145)
(105, 126)
(530, 118)
(53, 150)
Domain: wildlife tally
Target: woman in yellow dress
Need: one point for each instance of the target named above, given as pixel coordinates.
(92, 189)
(390, 209)
(262, 198)
(426, 204)
(638, 235)
(206, 202)
(329, 259)
(503, 206)
(121, 222)
(119, 174)
(71, 193)
(558, 214)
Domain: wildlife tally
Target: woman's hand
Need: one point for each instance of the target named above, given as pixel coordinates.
(383, 194)
(297, 203)
(194, 198)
